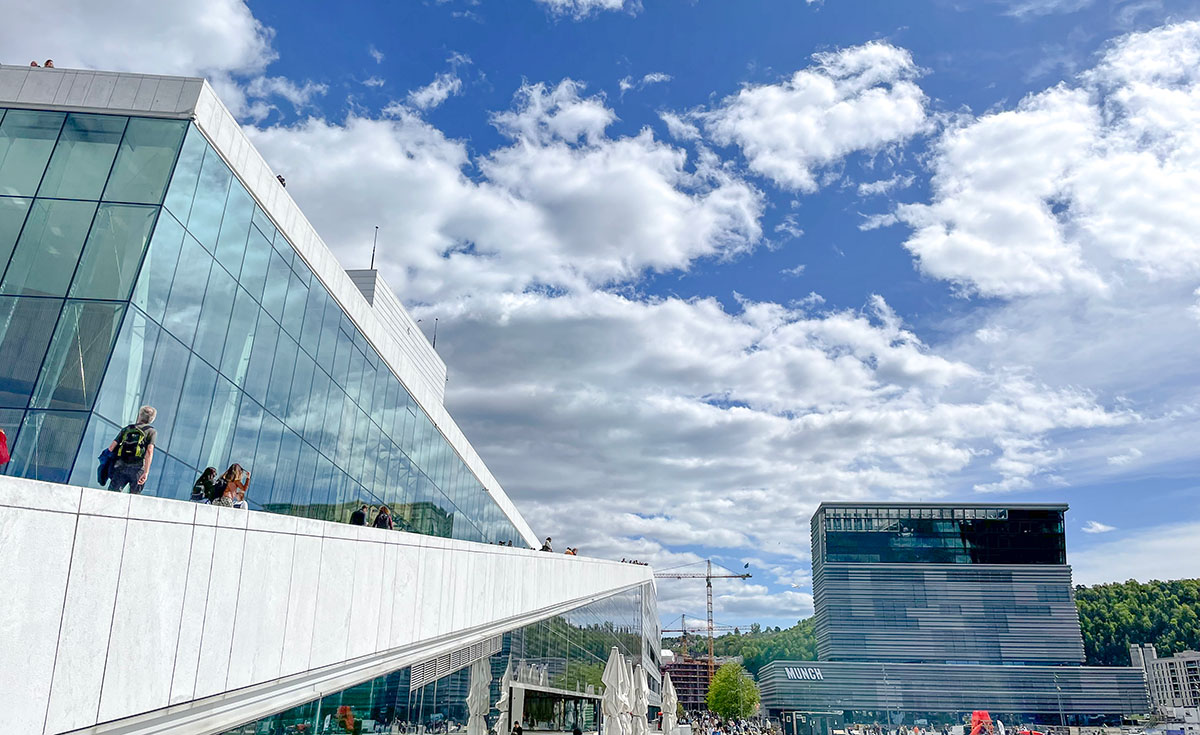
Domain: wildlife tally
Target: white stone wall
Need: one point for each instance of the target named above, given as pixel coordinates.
(115, 605)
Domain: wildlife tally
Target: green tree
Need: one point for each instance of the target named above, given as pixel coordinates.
(732, 692)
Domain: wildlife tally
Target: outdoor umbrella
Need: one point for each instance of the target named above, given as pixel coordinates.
(610, 704)
(641, 694)
(625, 701)
(478, 697)
(669, 702)
(505, 702)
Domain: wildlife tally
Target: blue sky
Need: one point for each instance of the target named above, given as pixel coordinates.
(700, 265)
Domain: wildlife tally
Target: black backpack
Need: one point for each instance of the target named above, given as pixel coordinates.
(132, 443)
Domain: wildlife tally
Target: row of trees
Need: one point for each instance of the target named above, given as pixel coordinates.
(759, 646)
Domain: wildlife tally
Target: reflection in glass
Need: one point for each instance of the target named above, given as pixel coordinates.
(235, 360)
(96, 439)
(113, 251)
(235, 226)
(158, 267)
(26, 141)
(83, 157)
(182, 313)
(46, 446)
(124, 379)
(144, 160)
(25, 329)
(12, 216)
(214, 315)
(49, 248)
(208, 206)
(191, 419)
(187, 173)
(164, 384)
(70, 375)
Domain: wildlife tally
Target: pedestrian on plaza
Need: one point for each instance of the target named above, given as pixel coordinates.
(517, 729)
(546, 546)
(359, 517)
(384, 519)
(205, 489)
(133, 452)
(233, 487)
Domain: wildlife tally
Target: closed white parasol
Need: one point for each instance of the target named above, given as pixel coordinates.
(670, 701)
(478, 697)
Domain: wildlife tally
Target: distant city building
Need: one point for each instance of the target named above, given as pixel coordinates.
(1174, 684)
(690, 677)
(926, 612)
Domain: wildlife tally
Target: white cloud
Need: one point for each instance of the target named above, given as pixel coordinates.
(1123, 459)
(1159, 552)
(375, 54)
(442, 88)
(861, 98)
(1033, 8)
(300, 96)
(678, 127)
(373, 82)
(1097, 527)
(579, 9)
(218, 37)
(657, 77)
(884, 186)
(796, 271)
(1080, 188)
(790, 226)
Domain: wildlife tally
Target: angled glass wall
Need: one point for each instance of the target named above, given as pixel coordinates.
(574, 648)
(136, 269)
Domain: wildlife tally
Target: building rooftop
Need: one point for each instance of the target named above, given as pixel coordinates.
(945, 504)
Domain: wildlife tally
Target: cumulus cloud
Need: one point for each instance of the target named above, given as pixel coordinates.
(861, 98)
(1097, 527)
(1160, 552)
(1125, 458)
(884, 186)
(1080, 188)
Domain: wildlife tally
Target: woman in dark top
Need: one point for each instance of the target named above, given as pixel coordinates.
(204, 489)
(384, 519)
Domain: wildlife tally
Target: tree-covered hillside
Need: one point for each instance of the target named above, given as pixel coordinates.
(1112, 616)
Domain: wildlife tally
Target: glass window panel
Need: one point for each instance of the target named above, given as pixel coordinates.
(10, 423)
(12, 216)
(264, 464)
(331, 429)
(214, 316)
(96, 439)
(239, 343)
(263, 223)
(275, 293)
(329, 334)
(245, 437)
(49, 248)
(359, 446)
(209, 204)
(170, 478)
(293, 309)
(191, 419)
(46, 445)
(26, 326)
(302, 380)
(354, 375)
(345, 439)
(83, 157)
(341, 363)
(258, 374)
(314, 310)
(283, 487)
(113, 251)
(255, 264)
(26, 141)
(187, 292)
(144, 160)
(187, 173)
(315, 411)
(164, 385)
(281, 375)
(235, 226)
(302, 493)
(222, 421)
(323, 492)
(125, 378)
(70, 375)
(158, 268)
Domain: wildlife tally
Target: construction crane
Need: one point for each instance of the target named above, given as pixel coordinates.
(708, 577)
(684, 630)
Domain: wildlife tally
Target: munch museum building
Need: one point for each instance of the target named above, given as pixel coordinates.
(927, 612)
(150, 256)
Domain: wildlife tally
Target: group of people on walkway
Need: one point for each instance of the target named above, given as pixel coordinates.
(369, 515)
(125, 466)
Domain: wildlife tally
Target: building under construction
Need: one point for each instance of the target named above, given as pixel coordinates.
(690, 677)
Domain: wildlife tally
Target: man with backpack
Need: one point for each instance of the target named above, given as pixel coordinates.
(133, 451)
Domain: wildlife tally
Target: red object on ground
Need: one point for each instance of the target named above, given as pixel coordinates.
(981, 723)
(4, 456)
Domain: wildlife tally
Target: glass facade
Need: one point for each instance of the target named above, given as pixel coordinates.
(572, 647)
(136, 269)
(944, 535)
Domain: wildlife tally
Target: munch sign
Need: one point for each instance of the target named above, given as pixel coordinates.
(810, 673)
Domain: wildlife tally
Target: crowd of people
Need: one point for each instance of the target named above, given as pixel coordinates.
(877, 729)
(634, 561)
(707, 723)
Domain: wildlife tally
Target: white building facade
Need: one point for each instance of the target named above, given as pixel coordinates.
(149, 256)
